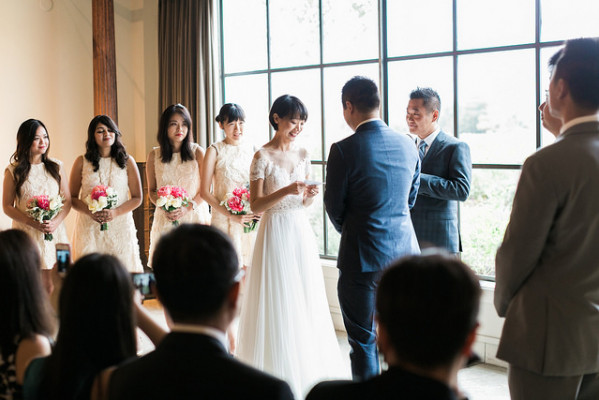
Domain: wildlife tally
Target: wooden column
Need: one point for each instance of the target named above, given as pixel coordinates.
(105, 95)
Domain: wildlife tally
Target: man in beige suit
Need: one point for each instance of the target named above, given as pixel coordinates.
(548, 264)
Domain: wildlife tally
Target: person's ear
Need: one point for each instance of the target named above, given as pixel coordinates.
(349, 106)
(435, 115)
(470, 339)
(233, 296)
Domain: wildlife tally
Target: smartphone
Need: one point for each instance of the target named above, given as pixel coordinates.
(63, 257)
(145, 283)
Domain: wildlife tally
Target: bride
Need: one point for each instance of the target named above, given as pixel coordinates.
(285, 324)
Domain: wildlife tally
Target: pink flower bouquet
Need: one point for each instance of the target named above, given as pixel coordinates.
(171, 198)
(101, 198)
(238, 203)
(44, 208)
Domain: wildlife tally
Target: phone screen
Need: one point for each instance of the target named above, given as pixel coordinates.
(63, 259)
(145, 283)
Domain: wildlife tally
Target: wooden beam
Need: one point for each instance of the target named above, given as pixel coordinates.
(105, 93)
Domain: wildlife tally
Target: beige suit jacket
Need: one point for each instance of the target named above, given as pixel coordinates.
(547, 268)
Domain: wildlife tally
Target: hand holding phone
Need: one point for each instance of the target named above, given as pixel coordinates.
(145, 283)
(63, 257)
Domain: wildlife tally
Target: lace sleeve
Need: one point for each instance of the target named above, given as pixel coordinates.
(258, 167)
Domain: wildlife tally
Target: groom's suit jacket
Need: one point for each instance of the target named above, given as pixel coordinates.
(193, 366)
(372, 182)
(444, 180)
(547, 268)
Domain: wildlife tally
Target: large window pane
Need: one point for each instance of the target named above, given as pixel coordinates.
(485, 216)
(244, 35)
(486, 23)
(496, 97)
(304, 84)
(570, 19)
(405, 76)
(335, 127)
(251, 93)
(350, 30)
(406, 34)
(294, 33)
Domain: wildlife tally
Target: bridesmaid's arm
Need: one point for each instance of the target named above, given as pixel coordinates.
(135, 192)
(75, 187)
(9, 196)
(206, 181)
(151, 177)
(66, 207)
(200, 160)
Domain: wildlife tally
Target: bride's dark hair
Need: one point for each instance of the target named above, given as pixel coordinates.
(117, 151)
(20, 158)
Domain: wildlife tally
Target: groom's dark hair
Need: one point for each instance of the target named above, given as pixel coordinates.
(195, 266)
(362, 93)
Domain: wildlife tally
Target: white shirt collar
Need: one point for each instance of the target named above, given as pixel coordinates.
(203, 330)
(429, 139)
(366, 121)
(579, 120)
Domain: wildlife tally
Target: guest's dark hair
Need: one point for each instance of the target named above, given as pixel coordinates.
(117, 151)
(195, 266)
(230, 112)
(20, 158)
(97, 326)
(24, 309)
(428, 305)
(287, 106)
(166, 149)
(430, 98)
(362, 93)
(578, 65)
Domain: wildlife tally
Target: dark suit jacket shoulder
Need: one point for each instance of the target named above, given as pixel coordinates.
(372, 181)
(394, 384)
(192, 366)
(444, 180)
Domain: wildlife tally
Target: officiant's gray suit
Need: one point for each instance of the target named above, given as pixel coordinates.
(548, 264)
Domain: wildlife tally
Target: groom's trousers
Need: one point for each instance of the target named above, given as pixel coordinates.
(356, 291)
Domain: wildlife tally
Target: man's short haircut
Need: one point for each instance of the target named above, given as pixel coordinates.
(430, 98)
(195, 266)
(428, 305)
(362, 93)
(578, 65)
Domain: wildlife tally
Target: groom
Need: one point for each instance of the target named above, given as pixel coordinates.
(372, 182)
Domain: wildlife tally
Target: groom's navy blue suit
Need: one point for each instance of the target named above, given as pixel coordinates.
(372, 182)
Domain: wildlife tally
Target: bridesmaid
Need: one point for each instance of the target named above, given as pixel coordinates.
(32, 173)
(226, 167)
(106, 162)
(177, 162)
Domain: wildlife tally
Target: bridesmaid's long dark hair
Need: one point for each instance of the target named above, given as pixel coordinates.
(20, 158)
(166, 150)
(117, 151)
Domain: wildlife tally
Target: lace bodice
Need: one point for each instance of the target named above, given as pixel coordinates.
(39, 181)
(232, 167)
(177, 173)
(109, 174)
(276, 176)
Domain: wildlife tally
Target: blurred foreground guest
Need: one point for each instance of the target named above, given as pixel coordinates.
(427, 310)
(25, 323)
(197, 279)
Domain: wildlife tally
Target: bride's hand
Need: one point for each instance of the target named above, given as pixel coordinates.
(311, 190)
(296, 187)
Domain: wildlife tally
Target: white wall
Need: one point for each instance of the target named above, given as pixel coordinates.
(47, 70)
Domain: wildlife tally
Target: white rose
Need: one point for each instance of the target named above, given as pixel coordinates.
(110, 192)
(161, 201)
(102, 202)
(55, 203)
(93, 206)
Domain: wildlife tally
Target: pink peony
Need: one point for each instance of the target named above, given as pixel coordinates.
(98, 191)
(240, 191)
(43, 202)
(178, 192)
(235, 204)
(164, 191)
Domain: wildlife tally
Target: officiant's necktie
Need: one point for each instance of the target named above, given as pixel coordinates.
(422, 149)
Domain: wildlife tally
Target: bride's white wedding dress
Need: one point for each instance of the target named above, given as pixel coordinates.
(285, 326)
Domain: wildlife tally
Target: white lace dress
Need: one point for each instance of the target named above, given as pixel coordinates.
(40, 182)
(285, 326)
(120, 239)
(176, 173)
(232, 170)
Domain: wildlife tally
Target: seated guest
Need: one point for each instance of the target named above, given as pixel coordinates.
(197, 280)
(427, 309)
(25, 314)
(97, 330)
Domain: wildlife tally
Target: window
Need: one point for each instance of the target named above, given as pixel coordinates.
(486, 59)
